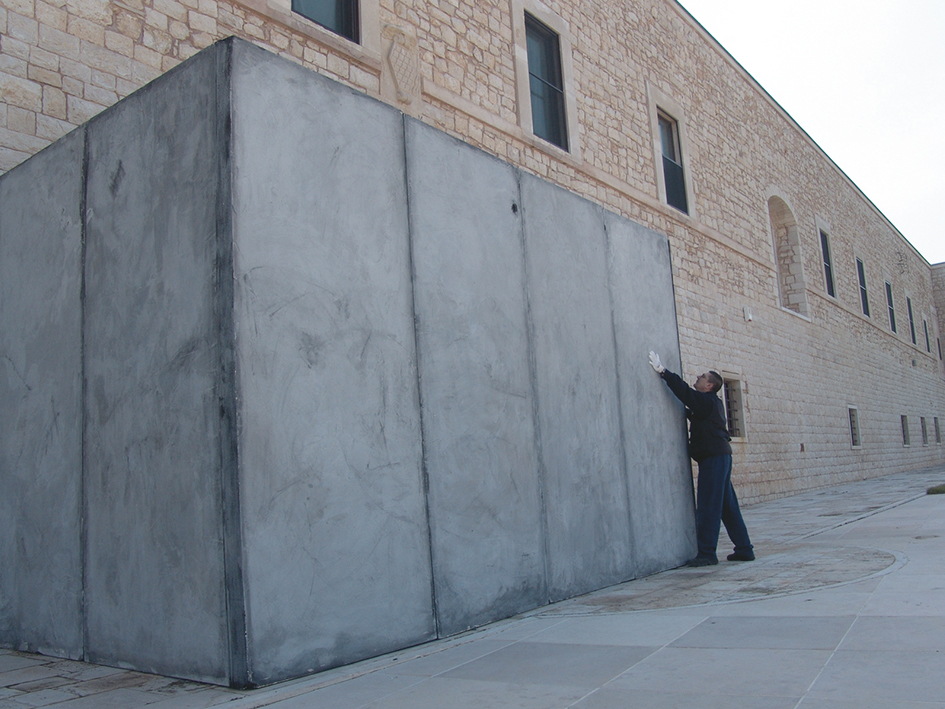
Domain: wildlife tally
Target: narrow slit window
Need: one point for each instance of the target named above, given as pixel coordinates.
(928, 343)
(674, 176)
(892, 309)
(828, 264)
(864, 297)
(546, 83)
(905, 430)
(338, 16)
(938, 431)
(854, 428)
(925, 431)
(734, 409)
(911, 319)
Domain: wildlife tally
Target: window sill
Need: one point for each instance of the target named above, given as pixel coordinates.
(551, 149)
(367, 54)
(806, 318)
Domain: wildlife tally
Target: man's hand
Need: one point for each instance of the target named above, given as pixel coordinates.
(655, 362)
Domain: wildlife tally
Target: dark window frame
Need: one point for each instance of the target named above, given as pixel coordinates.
(856, 440)
(864, 295)
(911, 319)
(828, 264)
(891, 307)
(345, 20)
(546, 82)
(734, 407)
(674, 174)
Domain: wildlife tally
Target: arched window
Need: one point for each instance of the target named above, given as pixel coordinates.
(787, 249)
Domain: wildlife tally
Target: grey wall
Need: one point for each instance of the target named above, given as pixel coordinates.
(41, 402)
(475, 360)
(661, 508)
(370, 251)
(331, 383)
(576, 385)
(336, 546)
(111, 441)
(154, 572)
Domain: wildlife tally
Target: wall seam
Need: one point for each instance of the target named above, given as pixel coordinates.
(625, 478)
(533, 383)
(83, 403)
(424, 471)
(238, 671)
(684, 422)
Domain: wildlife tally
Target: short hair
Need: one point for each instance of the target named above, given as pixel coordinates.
(716, 380)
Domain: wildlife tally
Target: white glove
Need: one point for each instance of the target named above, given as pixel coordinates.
(655, 362)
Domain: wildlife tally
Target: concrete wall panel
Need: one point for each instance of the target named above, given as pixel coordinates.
(479, 434)
(155, 574)
(337, 549)
(585, 488)
(40, 402)
(658, 470)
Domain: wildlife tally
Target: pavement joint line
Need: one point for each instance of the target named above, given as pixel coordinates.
(837, 647)
(862, 516)
(266, 696)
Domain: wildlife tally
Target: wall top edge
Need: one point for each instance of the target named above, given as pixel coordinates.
(727, 56)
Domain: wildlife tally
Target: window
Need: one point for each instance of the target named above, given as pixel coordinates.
(864, 298)
(928, 344)
(792, 288)
(854, 427)
(892, 310)
(911, 319)
(545, 99)
(925, 431)
(673, 174)
(339, 16)
(670, 153)
(546, 83)
(349, 29)
(734, 410)
(905, 430)
(828, 264)
(939, 340)
(938, 431)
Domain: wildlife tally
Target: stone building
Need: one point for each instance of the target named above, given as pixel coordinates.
(821, 316)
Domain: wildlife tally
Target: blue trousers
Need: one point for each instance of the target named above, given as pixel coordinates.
(716, 504)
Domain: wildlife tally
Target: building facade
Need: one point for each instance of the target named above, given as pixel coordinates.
(824, 321)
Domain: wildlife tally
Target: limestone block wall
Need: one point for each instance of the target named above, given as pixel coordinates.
(938, 297)
(292, 388)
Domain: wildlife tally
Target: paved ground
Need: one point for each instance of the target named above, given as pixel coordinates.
(844, 608)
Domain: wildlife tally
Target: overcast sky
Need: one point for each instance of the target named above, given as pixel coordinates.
(866, 80)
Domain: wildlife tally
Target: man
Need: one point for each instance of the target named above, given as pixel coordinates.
(709, 447)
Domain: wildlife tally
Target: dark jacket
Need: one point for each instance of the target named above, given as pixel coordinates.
(708, 432)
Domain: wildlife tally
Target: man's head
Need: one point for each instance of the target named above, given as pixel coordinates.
(709, 382)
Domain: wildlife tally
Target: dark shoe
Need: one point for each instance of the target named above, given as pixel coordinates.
(742, 556)
(702, 561)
